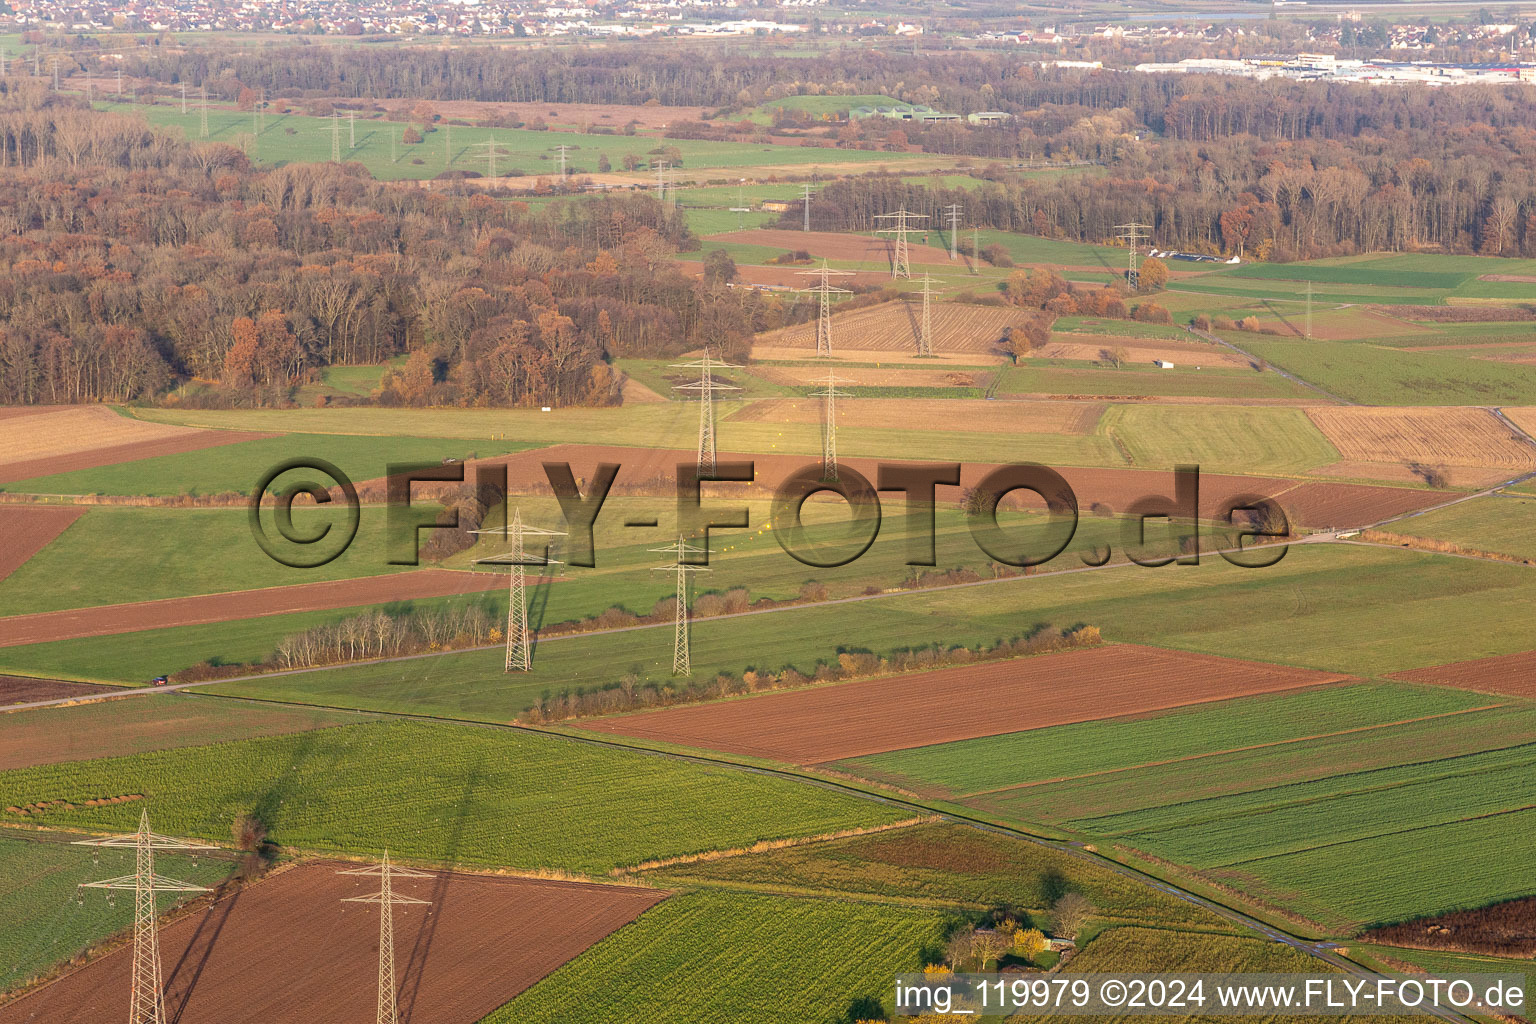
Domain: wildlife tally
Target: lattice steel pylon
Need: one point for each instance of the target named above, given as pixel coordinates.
(823, 288)
(202, 113)
(806, 191)
(828, 395)
(519, 638)
(901, 266)
(706, 386)
(953, 209)
(146, 1003)
(1133, 235)
(661, 180)
(925, 332)
(387, 899)
(334, 131)
(682, 660)
(562, 150)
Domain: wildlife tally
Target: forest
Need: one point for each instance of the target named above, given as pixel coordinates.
(138, 261)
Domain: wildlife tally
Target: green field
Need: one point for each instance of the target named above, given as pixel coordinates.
(1235, 440)
(1382, 376)
(1067, 759)
(295, 138)
(718, 958)
(946, 864)
(236, 468)
(48, 919)
(1350, 274)
(444, 793)
(1077, 377)
(1499, 523)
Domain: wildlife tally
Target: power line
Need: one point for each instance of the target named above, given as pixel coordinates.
(146, 1004)
(387, 899)
(925, 334)
(519, 637)
(682, 655)
(953, 209)
(900, 264)
(824, 288)
(705, 387)
(828, 394)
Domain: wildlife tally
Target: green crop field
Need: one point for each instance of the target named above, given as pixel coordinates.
(1382, 376)
(945, 863)
(49, 919)
(1254, 439)
(1304, 610)
(143, 554)
(1107, 750)
(717, 958)
(295, 138)
(1035, 249)
(1500, 523)
(235, 468)
(1367, 274)
(445, 793)
(1072, 377)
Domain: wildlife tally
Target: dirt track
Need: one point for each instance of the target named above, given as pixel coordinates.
(43, 627)
(829, 723)
(28, 529)
(287, 951)
(1512, 674)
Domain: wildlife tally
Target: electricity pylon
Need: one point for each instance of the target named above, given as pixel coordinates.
(1133, 235)
(202, 113)
(900, 265)
(823, 287)
(682, 663)
(953, 209)
(562, 150)
(490, 155)
(519, 640)
(146, 1003)
(705, 387)
(183, 98)
(351, 130)
(387, 899)
(334, 131)
(1309, 310)
(925, 334)
(661, 180)
(828, 394)
(806, 192)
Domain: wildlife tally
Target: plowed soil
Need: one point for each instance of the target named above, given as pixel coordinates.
(288, 951)
(891, 329)
(1512, 674)
(1461, 437)
(829, 723)
(1139, 351)
(24, 690)
(27, 529)
(879, 377)
(834, 245)
(1319, 505)
(42, 627)
(1397, 472)
(966, 414)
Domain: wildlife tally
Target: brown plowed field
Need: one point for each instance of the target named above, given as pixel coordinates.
(41, 627)
(1524, 418)
(1461, 437)
(140, 724)
(61, 439)
(28, 529)
(966, 414)
(1397, 472)
(287, 951)
(879, 376)
(1321, 505)
(1512, 674)
(829, 723)
(1141, 351)
(890, 330)
(25, 689)
(835, 245)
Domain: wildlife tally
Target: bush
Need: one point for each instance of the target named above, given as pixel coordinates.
(996, 255)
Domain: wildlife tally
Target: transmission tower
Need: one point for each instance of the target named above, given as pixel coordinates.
(706, 386)
(741, 209)
(334, 131)
(953, 209)
(119, 83)
(490, 154)
(925, 335)
(562, 150)
(823, 287)
(387, 899)
(903, 221)
(447, 145)
(1309, 310)
(1133, 235)
(202, 114)
(146, 1003)
(805, 203)
(682, 663)
(519, 639)
(183, 98)
(828, 394)
(661, 180)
